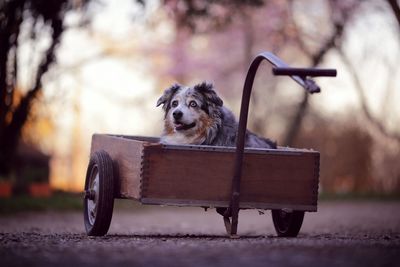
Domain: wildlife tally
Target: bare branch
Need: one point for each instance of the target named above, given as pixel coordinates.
(375, 123)
(316, 58)
(396, 9)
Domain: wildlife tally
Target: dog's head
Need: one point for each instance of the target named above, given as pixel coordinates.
(190, 112)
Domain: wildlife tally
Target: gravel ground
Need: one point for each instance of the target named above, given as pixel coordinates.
(340, 234)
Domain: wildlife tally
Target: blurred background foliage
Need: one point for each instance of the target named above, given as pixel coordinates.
(71, 68)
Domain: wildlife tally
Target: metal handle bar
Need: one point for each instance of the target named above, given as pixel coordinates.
(309, 85)
(304, 72)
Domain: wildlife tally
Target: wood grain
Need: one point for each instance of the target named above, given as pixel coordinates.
(287, 179)
(127, 161)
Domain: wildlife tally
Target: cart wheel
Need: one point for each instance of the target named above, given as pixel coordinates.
(287, 224)
(99, 194)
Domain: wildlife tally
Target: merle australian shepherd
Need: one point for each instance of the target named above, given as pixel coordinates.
(196, 116)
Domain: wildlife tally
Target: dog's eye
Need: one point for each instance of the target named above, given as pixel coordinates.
(193, 104)
(174, 103)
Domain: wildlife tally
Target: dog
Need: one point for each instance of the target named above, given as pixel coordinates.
(196, 116)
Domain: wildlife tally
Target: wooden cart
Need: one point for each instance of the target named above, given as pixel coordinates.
(284, 180)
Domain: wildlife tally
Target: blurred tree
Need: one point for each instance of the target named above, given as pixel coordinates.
(394, 4)
(340, 15)
(40, 16)
(196, 18)
(204, 16)
(375, 122)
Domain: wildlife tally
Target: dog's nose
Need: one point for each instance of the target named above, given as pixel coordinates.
(177, 114)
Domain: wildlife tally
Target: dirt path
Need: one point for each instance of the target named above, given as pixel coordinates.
(339, 234)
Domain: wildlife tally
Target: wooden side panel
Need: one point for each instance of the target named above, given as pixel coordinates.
(127, 161)
(204, 178)
(155, 174)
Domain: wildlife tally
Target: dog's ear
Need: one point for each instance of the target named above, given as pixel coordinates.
(167, 95)
(207, 90)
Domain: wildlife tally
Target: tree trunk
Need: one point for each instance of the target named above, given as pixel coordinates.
(9, 33)
(11, 133)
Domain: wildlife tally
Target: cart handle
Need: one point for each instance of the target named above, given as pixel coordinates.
(304, 72)
(299, 75)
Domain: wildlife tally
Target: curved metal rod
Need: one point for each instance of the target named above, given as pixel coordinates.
(309, 85)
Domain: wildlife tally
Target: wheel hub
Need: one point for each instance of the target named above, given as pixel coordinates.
(92, 196)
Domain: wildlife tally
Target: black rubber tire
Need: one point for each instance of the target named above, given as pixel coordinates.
(287, 224)
(98, 221)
